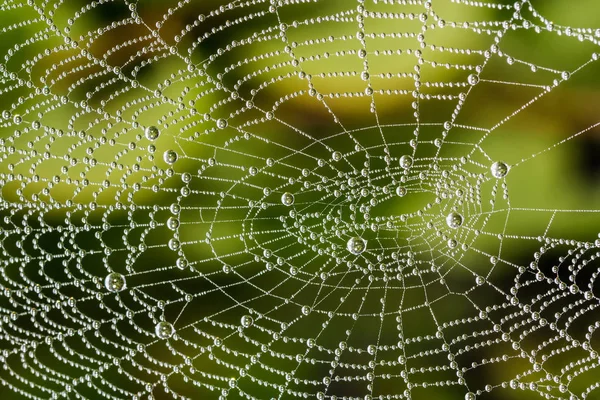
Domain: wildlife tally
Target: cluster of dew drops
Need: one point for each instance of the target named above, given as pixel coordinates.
(356, 245)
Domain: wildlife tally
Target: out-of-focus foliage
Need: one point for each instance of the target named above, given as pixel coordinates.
(85, 193)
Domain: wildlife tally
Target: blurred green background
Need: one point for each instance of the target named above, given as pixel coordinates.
(91, 123)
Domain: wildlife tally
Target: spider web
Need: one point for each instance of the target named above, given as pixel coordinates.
(285, 199)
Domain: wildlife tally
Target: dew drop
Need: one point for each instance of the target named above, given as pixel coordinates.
(454, 220)
(221, 123)
(499, 169)
(247, 321)
(174, 244)
(356, 245)
(115, 282)
(164, 330)
(172, 223)
(170, 156)
(152, 133)
(473, 79)
(406, 161)
(287, 199)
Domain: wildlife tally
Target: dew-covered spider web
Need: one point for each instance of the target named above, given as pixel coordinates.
(327, 199)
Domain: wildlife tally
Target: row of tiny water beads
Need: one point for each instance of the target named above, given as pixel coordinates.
(356, 245)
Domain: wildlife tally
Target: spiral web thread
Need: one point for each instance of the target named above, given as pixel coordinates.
(182, 185)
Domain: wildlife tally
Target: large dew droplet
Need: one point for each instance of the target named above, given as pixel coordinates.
(170, 156)
(247, 321)
(115, 282)
(221, 123)
(454, 220)
(356, 245)
(172, 223)
(164, 330)
(401, 191)
(174, 244)
(499, 169)
(406, 161)
(473, 79)
(152, 133)
(287, 199)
